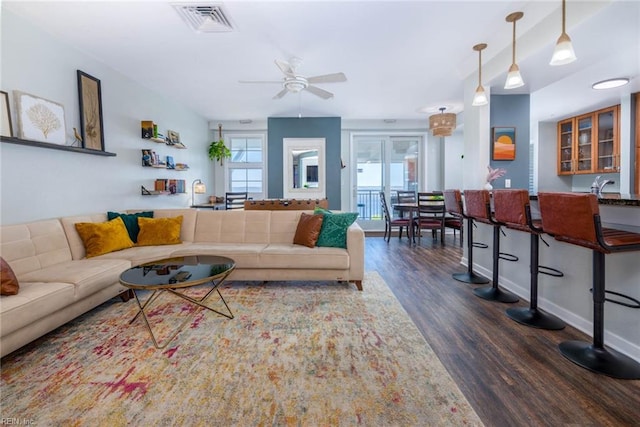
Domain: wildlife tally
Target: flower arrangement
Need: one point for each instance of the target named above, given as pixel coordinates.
(495, 174)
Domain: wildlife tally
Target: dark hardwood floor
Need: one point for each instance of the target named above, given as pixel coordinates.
(511, 374)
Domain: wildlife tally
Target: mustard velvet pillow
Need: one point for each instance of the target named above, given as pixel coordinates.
(159, 231)
(103, 237)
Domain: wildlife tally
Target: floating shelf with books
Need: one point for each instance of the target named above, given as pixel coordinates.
(167, 187)
(150, 159)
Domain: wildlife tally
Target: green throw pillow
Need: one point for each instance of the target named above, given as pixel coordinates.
(333, 233)
(130, 222)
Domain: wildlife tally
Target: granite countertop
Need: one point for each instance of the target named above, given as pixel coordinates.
(614, 199)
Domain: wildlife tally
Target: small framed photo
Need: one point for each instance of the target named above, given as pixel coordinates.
(40, 119)
(503, 143)
(90, 98)
(5, 112)
(173, 137)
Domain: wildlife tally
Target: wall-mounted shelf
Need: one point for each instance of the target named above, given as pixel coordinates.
(146, 192)
(29, 143)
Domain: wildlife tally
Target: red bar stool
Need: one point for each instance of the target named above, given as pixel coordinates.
(512, 208)
(575, 219)
(453, 205)
(478, 203)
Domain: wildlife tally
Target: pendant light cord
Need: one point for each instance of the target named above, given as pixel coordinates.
(564, 5)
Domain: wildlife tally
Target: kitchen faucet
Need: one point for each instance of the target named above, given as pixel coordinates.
(597, 186)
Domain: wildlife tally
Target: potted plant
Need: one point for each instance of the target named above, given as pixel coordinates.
(217, 149)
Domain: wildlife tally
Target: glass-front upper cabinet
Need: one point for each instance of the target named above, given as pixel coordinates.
(589, 143)
(565, 146)
(607, 142)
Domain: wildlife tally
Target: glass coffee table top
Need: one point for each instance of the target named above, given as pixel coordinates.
(177, 272)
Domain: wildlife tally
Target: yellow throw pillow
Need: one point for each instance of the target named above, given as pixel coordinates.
(159, 231)
(103, 237)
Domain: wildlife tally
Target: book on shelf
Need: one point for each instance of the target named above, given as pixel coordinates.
(147, 128)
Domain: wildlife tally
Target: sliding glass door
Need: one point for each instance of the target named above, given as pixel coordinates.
(384, 163)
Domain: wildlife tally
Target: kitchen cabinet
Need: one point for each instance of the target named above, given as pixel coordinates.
(590, 143)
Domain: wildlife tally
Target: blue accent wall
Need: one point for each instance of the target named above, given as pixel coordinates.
(328, 128)
(513, 111)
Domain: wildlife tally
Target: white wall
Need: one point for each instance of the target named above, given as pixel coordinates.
(41, 183)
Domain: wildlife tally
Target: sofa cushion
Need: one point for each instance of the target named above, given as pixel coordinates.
(34, 245)
(246, 255)
(35, 300)
(233, 226)
(288, 255)
(87, 275)
(189, 217)
(142, 254)
(334, 228)
(130, 221)
(103, 237)
(8, 281)
(159, 231)
(308, 230)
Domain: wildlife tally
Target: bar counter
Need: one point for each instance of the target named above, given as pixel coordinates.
(569, 297)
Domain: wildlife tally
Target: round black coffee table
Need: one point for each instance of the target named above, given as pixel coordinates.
(172, 274)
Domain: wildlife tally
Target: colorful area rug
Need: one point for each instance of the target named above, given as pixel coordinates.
(298, 354)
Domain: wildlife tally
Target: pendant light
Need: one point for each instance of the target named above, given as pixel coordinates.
(480, 97)
(514, 79)
(442, 124)
(563, 53)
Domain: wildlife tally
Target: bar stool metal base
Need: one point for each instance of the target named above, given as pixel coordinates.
(470, 277)
(495, 294)
(600, 360)
(535, 318)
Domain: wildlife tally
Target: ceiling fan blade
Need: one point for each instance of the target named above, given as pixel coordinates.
(319, 92)
(280, 94)
(328, 78)
(285, 67)
(260, 81)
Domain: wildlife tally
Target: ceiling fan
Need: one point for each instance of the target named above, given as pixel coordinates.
(295, 83)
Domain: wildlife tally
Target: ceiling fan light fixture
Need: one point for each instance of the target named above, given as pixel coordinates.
(563, 52)
(480, 97)
(514, 79)
(442, 124)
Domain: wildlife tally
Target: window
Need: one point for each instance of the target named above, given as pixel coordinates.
(246, 167)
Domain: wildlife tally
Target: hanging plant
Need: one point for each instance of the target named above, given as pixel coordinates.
(217, 150)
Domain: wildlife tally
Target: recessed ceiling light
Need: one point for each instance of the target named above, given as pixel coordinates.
(610, 84)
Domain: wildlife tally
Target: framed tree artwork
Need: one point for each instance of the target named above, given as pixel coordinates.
(40, 119)
(90, 97)
(503, 143)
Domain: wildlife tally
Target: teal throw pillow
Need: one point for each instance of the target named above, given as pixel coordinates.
(333, 233)
(130, 222)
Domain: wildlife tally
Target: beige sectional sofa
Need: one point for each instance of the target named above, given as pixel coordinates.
(57, 282)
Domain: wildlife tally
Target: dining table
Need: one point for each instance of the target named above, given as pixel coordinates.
(410, 208)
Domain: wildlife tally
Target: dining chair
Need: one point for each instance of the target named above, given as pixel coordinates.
(405, 196)
(454, 217)
(390, 222)
(430, 214)
(235, 200)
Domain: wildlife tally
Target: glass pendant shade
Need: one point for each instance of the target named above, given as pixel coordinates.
(563, 53)
(480, 97)
(514, 79)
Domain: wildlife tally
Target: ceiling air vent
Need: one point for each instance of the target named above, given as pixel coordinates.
(204, 18)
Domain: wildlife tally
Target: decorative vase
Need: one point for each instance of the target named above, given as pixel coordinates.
(488, 186)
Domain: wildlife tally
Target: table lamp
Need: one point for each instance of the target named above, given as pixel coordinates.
(197, 187)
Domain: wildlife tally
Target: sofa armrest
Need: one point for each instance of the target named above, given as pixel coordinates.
(355, 247)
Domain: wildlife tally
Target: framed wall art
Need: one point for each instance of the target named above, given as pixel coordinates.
(40, 119)
(5, 115)
(90, 97)
(503, 143)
